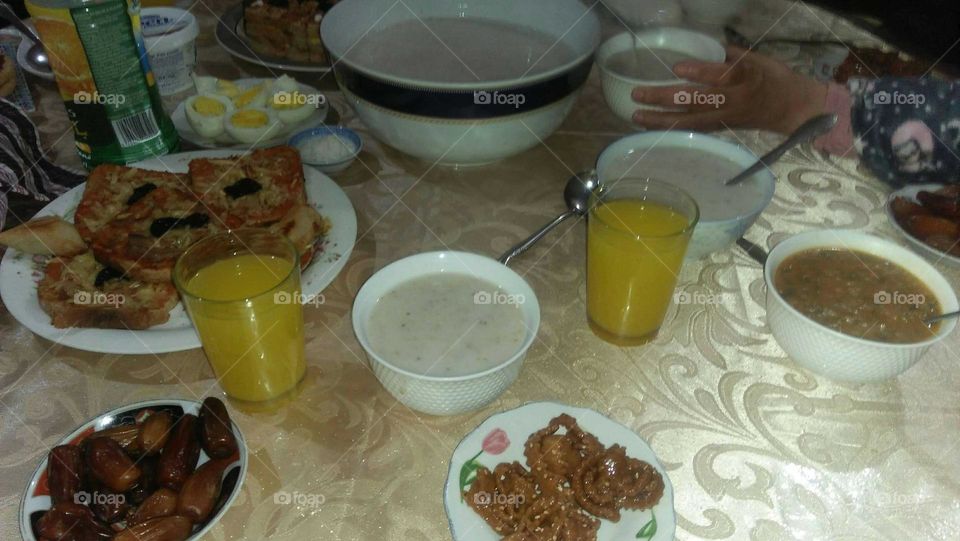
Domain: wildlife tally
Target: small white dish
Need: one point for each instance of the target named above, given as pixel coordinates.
(445, 395)
(618, 88)
(36, 496)
(328, 167)
(832, 353)
(910, 192)
(655, 524)
(710, 235)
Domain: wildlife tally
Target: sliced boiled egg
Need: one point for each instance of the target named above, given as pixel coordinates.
(253, 125)
(211, 85)
(207, 112)
(253, 96)
(290, 103)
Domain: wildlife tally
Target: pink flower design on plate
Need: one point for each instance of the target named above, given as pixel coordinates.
(496, 442)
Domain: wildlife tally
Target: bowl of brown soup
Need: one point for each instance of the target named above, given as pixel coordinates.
(852, 306)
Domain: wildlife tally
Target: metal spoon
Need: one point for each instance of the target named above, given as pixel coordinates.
(577, 196)
(931, 320)
(36, 54)
(807, 131)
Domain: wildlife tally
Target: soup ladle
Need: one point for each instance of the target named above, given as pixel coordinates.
(809, 130)
(577, 196)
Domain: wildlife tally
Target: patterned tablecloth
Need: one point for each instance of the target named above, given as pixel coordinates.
(756, 446)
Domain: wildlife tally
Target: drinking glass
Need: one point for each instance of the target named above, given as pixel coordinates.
(637, 235)
(242, 291)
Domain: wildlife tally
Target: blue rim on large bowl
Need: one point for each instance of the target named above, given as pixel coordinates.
(322, 131)
(458, 100)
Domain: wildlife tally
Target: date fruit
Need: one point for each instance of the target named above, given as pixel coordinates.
(216, 430)
(154, 432)
(201, 490)
(110, 465)
(180, 454)
(171, 528)
(63, 473)
(125, 435)
(161, 503)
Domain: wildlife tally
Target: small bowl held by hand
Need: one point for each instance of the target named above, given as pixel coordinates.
(673, 42)
(306, 140)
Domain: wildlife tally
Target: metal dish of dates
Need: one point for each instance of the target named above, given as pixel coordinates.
(163, 470)
(928, 215)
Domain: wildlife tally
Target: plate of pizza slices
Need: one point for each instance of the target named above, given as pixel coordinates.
(127, 305)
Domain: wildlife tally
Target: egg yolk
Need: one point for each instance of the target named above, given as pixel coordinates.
(209, 106)
(227, 88)
(244, 98)
(250, 119)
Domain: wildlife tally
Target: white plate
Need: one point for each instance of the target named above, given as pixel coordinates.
(19, 273)
(186, 132)
(231, 37)
(36, 499)
(910, 192)
(519, 424)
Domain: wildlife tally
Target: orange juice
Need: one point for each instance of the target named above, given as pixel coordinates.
(246, 311)
(634, 252)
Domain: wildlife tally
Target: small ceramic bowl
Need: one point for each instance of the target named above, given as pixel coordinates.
(841, 356)
(36, 497)
(617, 87)
(445, 395)
(301, 138)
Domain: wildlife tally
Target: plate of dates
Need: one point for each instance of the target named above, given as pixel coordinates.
(160, 469)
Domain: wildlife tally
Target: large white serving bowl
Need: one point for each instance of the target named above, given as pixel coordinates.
(841, 356)
(618, 87)
(439, 395)
(456, 122)
(710, 235)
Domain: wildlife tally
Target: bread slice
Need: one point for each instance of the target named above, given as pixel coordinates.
(80, 292)
(145, 240)
(303, 226)
(252, 190)
(49, 235)
(112, 189)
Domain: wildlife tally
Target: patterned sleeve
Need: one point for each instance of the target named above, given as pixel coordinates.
(908, 130)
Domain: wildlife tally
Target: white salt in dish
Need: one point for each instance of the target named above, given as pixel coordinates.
(330, 149)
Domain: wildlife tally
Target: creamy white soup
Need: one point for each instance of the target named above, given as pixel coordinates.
(647, 64)
(701, 174)
(455, 50)
(446, 325)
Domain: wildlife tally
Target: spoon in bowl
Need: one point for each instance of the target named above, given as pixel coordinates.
(931, 320)
(809, 130)
(577, 196)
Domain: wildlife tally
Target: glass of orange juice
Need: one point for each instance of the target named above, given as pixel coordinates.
(242, 291)
(637, 235)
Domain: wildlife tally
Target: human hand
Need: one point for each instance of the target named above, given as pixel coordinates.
(749, 90)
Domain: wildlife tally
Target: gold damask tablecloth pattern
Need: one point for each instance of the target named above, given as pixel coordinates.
(756, 447)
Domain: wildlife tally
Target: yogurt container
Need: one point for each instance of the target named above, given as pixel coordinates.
(170, 36)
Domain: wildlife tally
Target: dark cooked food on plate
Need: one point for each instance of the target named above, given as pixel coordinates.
(934, 218)
(572, 481)
(859, 294)
(114, 483)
